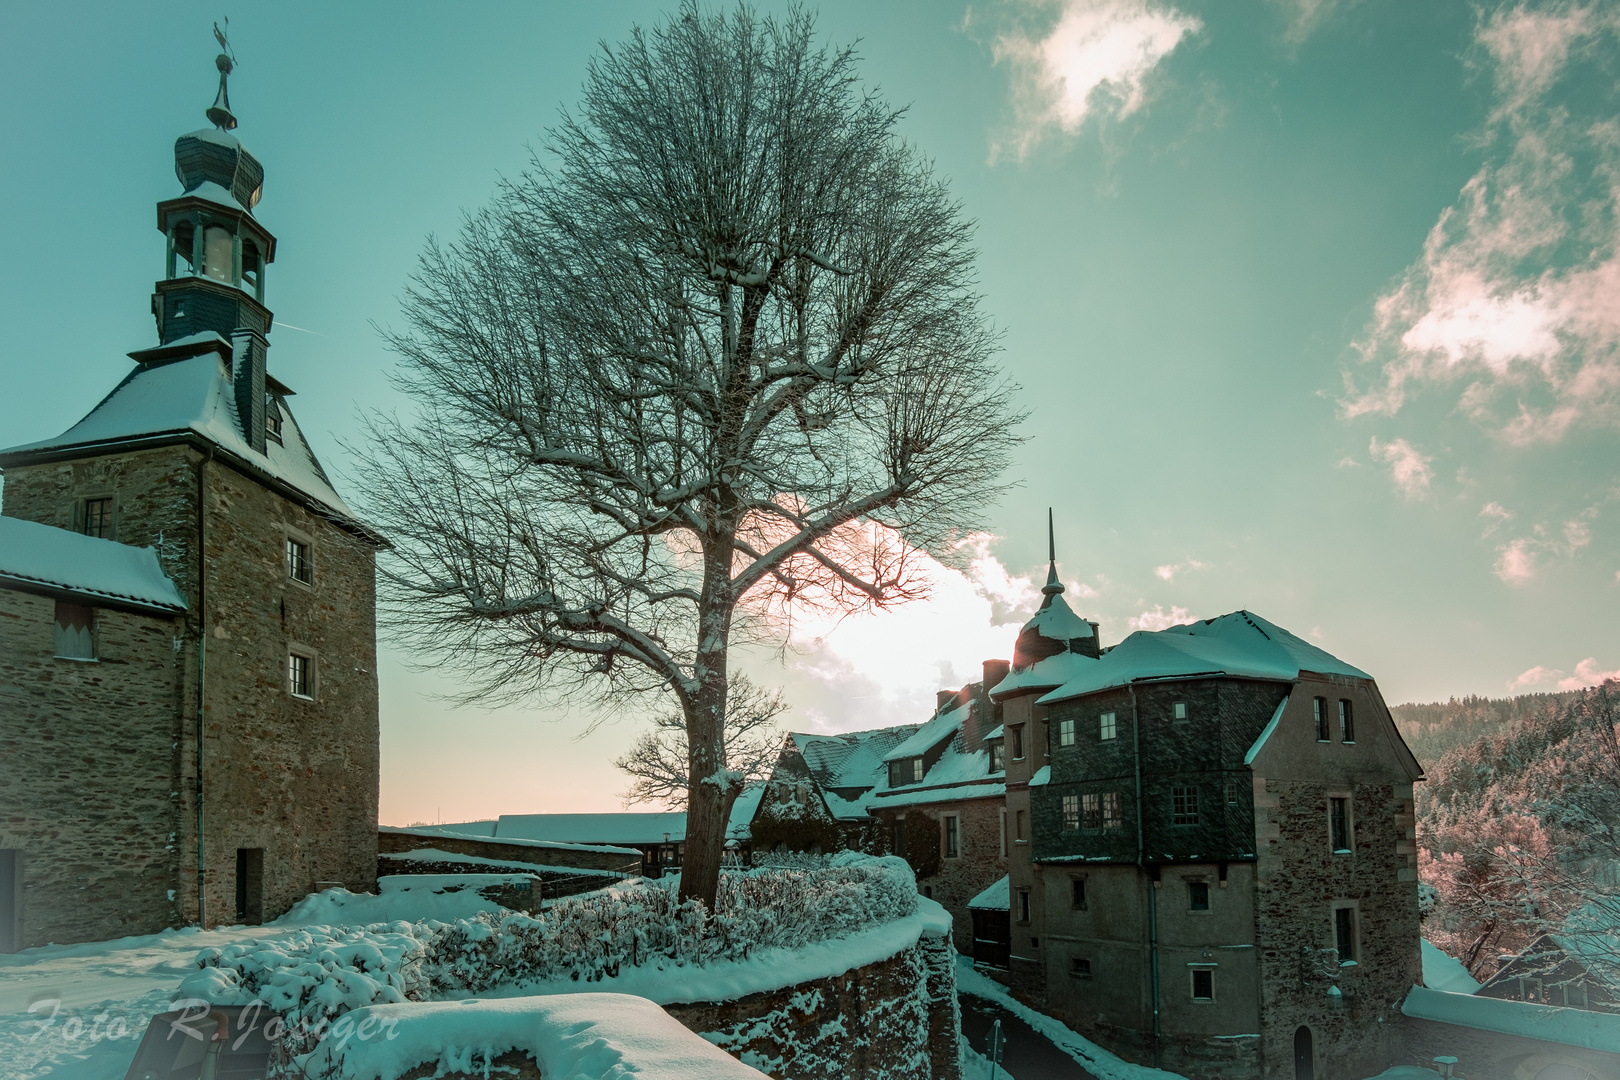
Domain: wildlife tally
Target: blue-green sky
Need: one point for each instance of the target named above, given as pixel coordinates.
(1315, 304)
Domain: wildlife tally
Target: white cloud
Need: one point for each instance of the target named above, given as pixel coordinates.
(1588, 673)
(1410, 469)
(1495, 515)
(1094, 61)
(1516, 561)
(1156, 618)
(1306, 16)
(1516, 297)
(1169, 571)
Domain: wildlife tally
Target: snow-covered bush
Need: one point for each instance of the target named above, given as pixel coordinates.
(311, 976)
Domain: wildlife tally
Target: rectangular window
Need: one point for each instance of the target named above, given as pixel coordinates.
(1339, 824)
(1107, 729)
(1319, 707)
(900, 837)
(75, 631)
(300, 676)
(1066, 732)
(250, 885)
(1077, 893)
(952, 836)
(1112, 819)
(299, 567)
(1203, 984)
(998, 757)
(1231, 793)
(1181, 711)
(1197, 896)
(916, 770)
(1023, 905)
(1080, 967)
(272, 419)
(1016, 734)
(1071, 812)
(1091, 811)
(1184, 806)
(98, 518)
(1347, 721)
(1344, 933)
(1003, 823)
(1020, 825)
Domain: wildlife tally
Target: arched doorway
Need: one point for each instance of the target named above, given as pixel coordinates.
(1304, 1055)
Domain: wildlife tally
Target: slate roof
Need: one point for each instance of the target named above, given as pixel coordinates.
(1241, 644)
(44, 558)
(195, 396)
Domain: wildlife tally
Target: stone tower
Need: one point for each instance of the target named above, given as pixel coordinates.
(266, 744)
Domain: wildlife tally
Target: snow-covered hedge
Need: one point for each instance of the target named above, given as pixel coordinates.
(313, 975)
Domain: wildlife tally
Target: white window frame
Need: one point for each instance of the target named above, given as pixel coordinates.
(1178, 712)
(1108, 726)
(1066, 731)
(1071, 821)
(293, 536)
(312, 673)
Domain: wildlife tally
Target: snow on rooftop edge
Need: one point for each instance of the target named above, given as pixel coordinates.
(1573, 1027)
(453, 832)
(996, 897)
(48, 556)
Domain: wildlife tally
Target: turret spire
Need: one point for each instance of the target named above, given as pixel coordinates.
(219, 113)
(1053, 586)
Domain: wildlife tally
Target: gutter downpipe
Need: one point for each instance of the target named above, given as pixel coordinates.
(202, 649)
(1141, 865)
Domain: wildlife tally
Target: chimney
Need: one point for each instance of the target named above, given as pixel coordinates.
(942, 699)
(994, 672)
(248, 348)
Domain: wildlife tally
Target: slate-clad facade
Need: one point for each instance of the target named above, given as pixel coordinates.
(243, 726)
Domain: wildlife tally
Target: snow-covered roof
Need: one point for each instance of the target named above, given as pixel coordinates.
(929, 794)
(1057, 620)
(195, 395)
(462, 832)
(43, 556)
(1573, 1027)
(997, 897)
(615, 828)
(1241, 644)
(926, 737)
(214, 193)
(1266, 733)
(1441, 971)
(1042, 777)
(1047, 674)
(853, 759)
(999, 731)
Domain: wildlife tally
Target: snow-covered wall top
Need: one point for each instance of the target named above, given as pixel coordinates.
(465, 834)
(1549, 1023)
(1241, 644)
(44, 555)
(657, 828)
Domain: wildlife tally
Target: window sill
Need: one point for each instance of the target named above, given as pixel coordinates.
(79, 659)
(1343, 851)
(300, 697)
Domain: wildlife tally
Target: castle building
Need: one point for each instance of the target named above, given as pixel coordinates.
(1223, 856)
(187, 618)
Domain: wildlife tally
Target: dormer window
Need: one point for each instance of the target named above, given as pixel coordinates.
(998, 756)
(272, 418)
(905, 771)
(218, 254)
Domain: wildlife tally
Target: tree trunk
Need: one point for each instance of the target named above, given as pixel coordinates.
(707, 802)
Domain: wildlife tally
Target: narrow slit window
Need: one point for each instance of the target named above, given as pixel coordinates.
(1319, 707)
(1347, 721)
(300, 676)
(953, 842)
(1077, 892)
(1107, 729)
(1339, 824)
(1016, 734)
(1344, 933)
(299, 565)
(1023, 905)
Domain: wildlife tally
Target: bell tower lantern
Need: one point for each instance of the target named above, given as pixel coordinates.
(216, 254)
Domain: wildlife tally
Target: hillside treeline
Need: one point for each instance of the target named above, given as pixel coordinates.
(1519, 822)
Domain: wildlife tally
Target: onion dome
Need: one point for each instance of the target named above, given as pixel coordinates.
(214, 155)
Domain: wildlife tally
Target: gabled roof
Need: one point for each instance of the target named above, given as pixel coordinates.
(854, 759)
(1241, 645)
(194, 396)
(942, 726)
(47, 559)
(1047, 674)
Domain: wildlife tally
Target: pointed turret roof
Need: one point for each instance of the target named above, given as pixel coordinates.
(1055, 644)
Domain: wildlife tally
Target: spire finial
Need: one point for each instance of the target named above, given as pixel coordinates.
(220, 112)
(1053, 586)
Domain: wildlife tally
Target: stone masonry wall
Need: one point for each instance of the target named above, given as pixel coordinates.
(1353, 1011)
(1491, 1055)
(393, 842)
(98, 838)
(979, 865)
(295, 778)
(893, 1020)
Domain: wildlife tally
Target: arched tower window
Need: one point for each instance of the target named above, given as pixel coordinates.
(184, 243)
(250, 264)
(218, 254)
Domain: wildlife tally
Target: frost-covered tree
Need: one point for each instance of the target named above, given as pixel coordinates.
(657, 761)
(717, 355)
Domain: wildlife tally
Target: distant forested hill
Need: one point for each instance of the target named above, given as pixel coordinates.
(1518, 819)
(1433, 729)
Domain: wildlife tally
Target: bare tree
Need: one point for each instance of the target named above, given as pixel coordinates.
(720, 359)
(658, 760)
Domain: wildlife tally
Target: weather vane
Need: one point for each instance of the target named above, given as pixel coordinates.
(220, 111)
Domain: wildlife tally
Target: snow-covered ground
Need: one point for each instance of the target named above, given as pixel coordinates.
(77, 1012)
